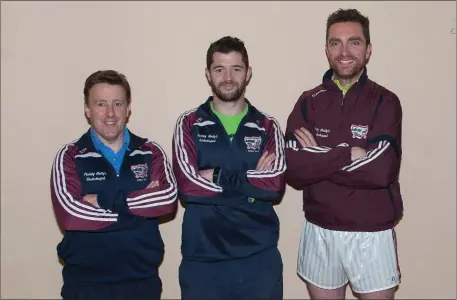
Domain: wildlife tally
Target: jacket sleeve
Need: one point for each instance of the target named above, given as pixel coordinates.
(192, 188)
(381, 165)
(160, 200)
(266, 185)
(71, 211)
(309, 165)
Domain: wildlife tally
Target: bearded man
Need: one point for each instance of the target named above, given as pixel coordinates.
(228, 158)
(343, 149)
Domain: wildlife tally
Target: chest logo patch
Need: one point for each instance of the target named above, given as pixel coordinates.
(140, 171)
(253, 143)
(359, 131)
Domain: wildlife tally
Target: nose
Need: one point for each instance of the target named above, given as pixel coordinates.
(110, 110)
(228, 75)
(344, 49)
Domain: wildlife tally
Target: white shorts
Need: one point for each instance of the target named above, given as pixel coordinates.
(330, 259)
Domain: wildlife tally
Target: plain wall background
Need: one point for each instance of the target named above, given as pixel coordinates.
(49, 48)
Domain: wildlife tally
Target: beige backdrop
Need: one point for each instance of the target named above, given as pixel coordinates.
(49, 48)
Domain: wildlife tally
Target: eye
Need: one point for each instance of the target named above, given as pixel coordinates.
(355, 43)
(118, 104)
(100, 104)
(237, 69)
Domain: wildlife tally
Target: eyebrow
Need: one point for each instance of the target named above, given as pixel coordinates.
(352, 38)
(232, 66)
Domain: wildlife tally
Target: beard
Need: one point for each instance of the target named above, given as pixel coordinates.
(228, 96)
(349, 72)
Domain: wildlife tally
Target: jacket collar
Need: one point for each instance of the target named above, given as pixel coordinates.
(328, 75)
(85, 141)
(205, 110)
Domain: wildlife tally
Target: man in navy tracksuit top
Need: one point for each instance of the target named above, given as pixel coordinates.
(343, 148)
(108, 188)
(229, 163)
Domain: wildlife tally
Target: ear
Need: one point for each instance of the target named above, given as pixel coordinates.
(86, 111)
(249, 74)
(128, 114)
(129, 110)
(207, 75)
(368, 53)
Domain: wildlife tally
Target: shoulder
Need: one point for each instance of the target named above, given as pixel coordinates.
(311, 94)
(73, 149)
(386, 95)
(154, 147)
(145, 146)
(189, 116)
(269, 122)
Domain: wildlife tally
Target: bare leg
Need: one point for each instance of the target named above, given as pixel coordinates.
(386, 294)
(317, 293)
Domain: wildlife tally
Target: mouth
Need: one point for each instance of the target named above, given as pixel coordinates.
(346, 62)
(228, 84)
(109, 123)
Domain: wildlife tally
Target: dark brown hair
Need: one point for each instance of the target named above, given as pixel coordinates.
(349, 15)
(226, 45)
(110, 77)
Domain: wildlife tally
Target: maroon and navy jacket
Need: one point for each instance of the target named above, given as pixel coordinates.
(340, 194)
(120, 240)
(231, 216)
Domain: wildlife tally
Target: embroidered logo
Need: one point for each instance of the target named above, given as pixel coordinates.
(317, 93)
(322, 132)
(359, 131)
(140, 171)
(253, 143)
(94, 176)
(207, 138)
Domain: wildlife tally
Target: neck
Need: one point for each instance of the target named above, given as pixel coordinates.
(346, 81)
(229, 108)
(114, 144)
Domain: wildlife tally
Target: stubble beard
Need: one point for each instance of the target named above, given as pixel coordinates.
(231, 96)
(348, 74)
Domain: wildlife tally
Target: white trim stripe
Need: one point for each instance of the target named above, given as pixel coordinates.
(205, 123)
(183, 159)
(254, 125)
(139, 152)
(143, 201)
(89, 154)
(317, 149)
(67, 201)
(370, 156)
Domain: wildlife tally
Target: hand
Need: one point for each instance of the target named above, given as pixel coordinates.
(357, 152)
(207, 174)
(92, 199)
(266, 161)
(153, 184)
(305, 137)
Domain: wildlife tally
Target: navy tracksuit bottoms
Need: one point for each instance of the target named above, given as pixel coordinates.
(146, 289)
(258, 277)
